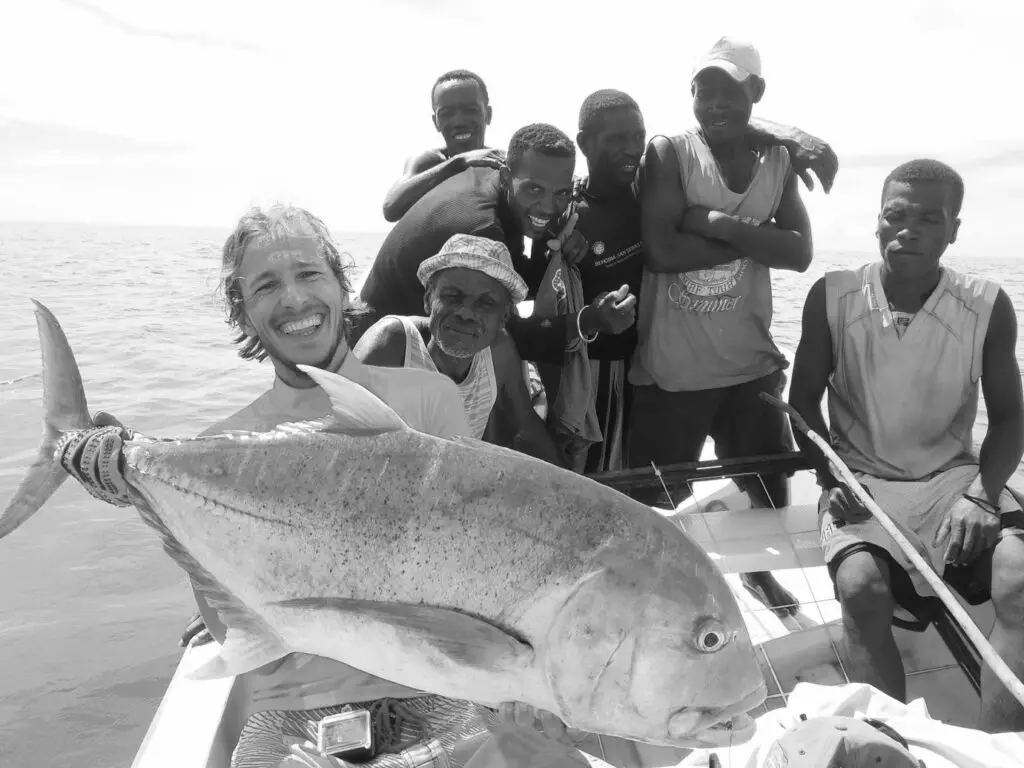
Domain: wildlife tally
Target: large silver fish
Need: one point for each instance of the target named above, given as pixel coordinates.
(449, 566)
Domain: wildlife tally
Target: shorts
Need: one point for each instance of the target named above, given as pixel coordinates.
(671, 428)
(917, 507)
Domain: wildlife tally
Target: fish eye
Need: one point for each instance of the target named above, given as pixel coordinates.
(711, 637)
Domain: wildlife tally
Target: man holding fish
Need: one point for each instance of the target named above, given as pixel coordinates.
(349, 558)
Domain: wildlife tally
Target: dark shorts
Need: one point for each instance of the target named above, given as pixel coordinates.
(913, 610)
(671, 427)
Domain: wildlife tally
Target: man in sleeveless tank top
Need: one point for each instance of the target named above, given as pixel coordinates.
(470, 291)
(902, 346)
(717, 216)
(611, 137)
(461, 111)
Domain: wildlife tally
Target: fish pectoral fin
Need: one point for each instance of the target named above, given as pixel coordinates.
(463, 638)
(354, 408)
(242, 652)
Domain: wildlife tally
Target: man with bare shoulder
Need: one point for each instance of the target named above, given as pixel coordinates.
(461, 113)
(904, 346)
(470, 292)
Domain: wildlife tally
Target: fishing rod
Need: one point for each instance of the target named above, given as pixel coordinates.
(839, 468)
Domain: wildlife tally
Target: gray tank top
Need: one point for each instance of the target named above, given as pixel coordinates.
(709, 328)
(478, 390)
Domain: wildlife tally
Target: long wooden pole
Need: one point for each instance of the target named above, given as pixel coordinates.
(839, 468)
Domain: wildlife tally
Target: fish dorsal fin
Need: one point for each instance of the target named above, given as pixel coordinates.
(354, 408)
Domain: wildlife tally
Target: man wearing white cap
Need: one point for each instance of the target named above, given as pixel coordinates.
(471, 289)
(717, 215)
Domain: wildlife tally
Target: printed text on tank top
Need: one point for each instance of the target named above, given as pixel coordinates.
(703, 291)
(711, 290)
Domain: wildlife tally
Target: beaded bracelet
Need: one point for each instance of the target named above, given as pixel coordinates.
(579, 330)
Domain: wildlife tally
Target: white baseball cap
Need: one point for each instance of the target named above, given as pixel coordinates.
(737, 58)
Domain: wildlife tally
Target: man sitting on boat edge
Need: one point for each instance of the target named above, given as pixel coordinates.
(470, 291)
(901, 345)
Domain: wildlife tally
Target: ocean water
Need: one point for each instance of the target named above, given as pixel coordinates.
(90, 607)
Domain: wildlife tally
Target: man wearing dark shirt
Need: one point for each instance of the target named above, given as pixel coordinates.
(612, 138)
(522, 199)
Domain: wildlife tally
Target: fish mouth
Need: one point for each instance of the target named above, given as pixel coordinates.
(737, 730)
(717, 727)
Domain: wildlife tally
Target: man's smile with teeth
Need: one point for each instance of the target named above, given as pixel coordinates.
(462, 136)
(539, 222)
(303, 327)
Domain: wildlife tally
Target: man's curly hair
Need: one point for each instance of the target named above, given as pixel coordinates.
(259, 227)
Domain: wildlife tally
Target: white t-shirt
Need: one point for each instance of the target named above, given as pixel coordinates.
(428, 402)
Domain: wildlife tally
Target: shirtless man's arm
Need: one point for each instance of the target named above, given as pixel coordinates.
(782, 244)
(383, 344)
(425, 171)
(662, 206)
(1003, 446)
(531, 436)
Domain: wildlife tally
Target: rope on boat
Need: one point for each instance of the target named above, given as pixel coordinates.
(988, 653)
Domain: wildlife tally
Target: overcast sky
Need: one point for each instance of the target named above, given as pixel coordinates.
(185, 112)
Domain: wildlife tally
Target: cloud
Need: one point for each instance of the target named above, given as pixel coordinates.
(178, 37)
(25, 144)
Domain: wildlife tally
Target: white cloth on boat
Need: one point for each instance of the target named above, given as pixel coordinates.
(938, 744)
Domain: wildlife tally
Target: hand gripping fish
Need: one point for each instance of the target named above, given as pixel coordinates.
(448, 566)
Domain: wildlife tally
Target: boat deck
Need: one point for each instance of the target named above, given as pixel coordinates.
(809, 647)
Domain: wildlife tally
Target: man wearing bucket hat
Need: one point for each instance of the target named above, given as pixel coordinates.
(717, 216)
(471, 289)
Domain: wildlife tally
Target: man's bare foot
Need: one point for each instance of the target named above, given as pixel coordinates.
(766, 588)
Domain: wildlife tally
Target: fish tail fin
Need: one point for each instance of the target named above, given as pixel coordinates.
(65, 409)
